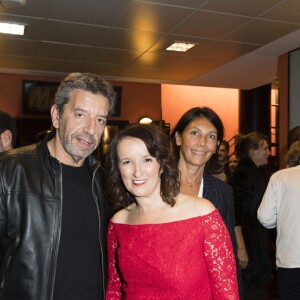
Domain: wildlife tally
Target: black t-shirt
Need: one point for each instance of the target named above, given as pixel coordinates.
(78, 263)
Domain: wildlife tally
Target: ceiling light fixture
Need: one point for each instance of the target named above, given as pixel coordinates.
(12, 4)
(181, 46)
(12, 28)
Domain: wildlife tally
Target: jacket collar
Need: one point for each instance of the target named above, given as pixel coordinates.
(52, 162)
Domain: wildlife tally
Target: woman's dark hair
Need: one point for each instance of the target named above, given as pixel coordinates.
(186, 119)
(157, 143)
(249, 141)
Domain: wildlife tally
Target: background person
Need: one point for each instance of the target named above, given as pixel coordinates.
(8, 132)
(294, 135)
(162, 245)
(221, 169)
(233, 162)
(223, 156)
(249, 183)
(53, 212)
(280, 208)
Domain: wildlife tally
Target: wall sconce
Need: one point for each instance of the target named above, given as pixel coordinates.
(145, 120)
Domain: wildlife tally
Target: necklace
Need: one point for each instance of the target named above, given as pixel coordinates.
(189, 184)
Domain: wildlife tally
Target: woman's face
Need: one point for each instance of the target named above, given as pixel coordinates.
(198, 142)
(139, 170)
(233, 162)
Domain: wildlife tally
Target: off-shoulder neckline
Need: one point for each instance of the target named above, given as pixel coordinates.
(166, 223)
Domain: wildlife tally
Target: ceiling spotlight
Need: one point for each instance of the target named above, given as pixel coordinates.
(181, 46)
(12, 4)
(12, 28)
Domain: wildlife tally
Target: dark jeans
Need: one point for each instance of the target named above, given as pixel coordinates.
(288, 283)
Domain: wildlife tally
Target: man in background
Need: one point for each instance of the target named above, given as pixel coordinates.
(294, 135)
(53, 210)
(8, 132)
(280, 209)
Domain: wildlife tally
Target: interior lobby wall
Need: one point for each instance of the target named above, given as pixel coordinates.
(177, 99)
(138, 99)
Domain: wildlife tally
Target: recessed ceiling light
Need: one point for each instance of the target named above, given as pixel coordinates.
(181, 46)
(11, 28)
(12, 4)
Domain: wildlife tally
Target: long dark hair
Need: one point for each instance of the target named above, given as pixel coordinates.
(157, 144)
(186, 119)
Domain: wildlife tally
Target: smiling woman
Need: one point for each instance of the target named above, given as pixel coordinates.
(195, 140)
(159, 244)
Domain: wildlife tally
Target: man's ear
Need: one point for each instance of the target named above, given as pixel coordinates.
(54, 116)
(178, 139)
(6, 138)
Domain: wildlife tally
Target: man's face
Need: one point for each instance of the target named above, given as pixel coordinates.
(222, 153)
(79, 126)
(260, 156)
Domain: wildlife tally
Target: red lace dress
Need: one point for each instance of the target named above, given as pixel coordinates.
(187, 259)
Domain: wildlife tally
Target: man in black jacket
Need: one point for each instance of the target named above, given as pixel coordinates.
(53, 211)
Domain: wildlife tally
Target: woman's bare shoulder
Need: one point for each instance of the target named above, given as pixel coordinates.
(122, 215)
(196, 206)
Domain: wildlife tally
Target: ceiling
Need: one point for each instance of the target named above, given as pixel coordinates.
(238, 41)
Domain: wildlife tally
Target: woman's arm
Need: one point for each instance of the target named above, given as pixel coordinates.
(220, 260)
(113, 290)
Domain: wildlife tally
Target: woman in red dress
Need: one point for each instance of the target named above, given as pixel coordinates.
(162, 244)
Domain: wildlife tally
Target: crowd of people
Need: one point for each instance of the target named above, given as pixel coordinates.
(167, 217)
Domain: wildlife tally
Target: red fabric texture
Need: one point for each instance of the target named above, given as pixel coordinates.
(186, 259)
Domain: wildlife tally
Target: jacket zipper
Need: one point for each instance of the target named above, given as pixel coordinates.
(3, 279)
(99, 218)
(59, 234)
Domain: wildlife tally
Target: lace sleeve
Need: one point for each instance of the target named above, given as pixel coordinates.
(114, 284)
(220, 260)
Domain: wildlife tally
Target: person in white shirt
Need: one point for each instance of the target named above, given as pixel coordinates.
(280, 208)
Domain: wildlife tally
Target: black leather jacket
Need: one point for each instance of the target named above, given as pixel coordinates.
(30, 221)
